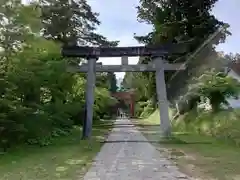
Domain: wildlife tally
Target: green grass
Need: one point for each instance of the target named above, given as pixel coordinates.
(208, 156)
(153, 119)
(67, 158)
(201, 156)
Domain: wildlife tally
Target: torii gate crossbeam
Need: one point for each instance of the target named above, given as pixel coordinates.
(159, 66)
(127, 68)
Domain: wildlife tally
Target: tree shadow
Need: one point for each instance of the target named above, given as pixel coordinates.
(163, 141)
(124, 125)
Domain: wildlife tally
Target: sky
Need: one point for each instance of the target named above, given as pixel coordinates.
(119, 22)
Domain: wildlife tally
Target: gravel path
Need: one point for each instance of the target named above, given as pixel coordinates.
(127, 155)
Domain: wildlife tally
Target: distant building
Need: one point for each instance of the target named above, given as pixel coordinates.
(233, 70)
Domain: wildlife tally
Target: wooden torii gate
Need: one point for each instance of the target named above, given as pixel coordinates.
(158, 65)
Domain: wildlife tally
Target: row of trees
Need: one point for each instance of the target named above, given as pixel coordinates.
(39, 99)
(184, 21)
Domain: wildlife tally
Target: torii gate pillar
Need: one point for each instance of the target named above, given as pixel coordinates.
(90, 86)
(162, 97)
(132, 108)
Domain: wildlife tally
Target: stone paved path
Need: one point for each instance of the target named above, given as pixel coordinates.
(127, 155)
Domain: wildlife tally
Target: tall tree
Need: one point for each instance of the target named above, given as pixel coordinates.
(112, 82)
(35, 86)
(176, 21)
(71, 22)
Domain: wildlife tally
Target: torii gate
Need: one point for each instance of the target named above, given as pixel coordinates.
(159, 65)
(127, 96)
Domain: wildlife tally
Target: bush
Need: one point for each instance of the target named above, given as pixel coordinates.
(147, 111)
(224, 125)
(144, 109)
(214, 87)
(41, 101)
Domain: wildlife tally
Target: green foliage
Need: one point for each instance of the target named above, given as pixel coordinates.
(144, 108)
(145, 92)
(148, 109)
(223, 125)
(143, 86)
(112, 82)
(139, 107)
(71, 22)
(39, 99)
(214, 86)
(218, 87)
(103, 103)
(177, 21)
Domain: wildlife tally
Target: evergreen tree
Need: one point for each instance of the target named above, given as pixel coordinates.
(71, 22)
(112, 82)
(178, 21)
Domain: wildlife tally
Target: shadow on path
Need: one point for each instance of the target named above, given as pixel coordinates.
(125, 125)
(162, 142)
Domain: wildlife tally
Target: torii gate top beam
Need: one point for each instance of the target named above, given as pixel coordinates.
(86, 51)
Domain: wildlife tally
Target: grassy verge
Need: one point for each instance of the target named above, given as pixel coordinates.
(199, 155)
(67, 158)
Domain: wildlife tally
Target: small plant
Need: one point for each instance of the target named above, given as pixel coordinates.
(217, 87)
(214, 87)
